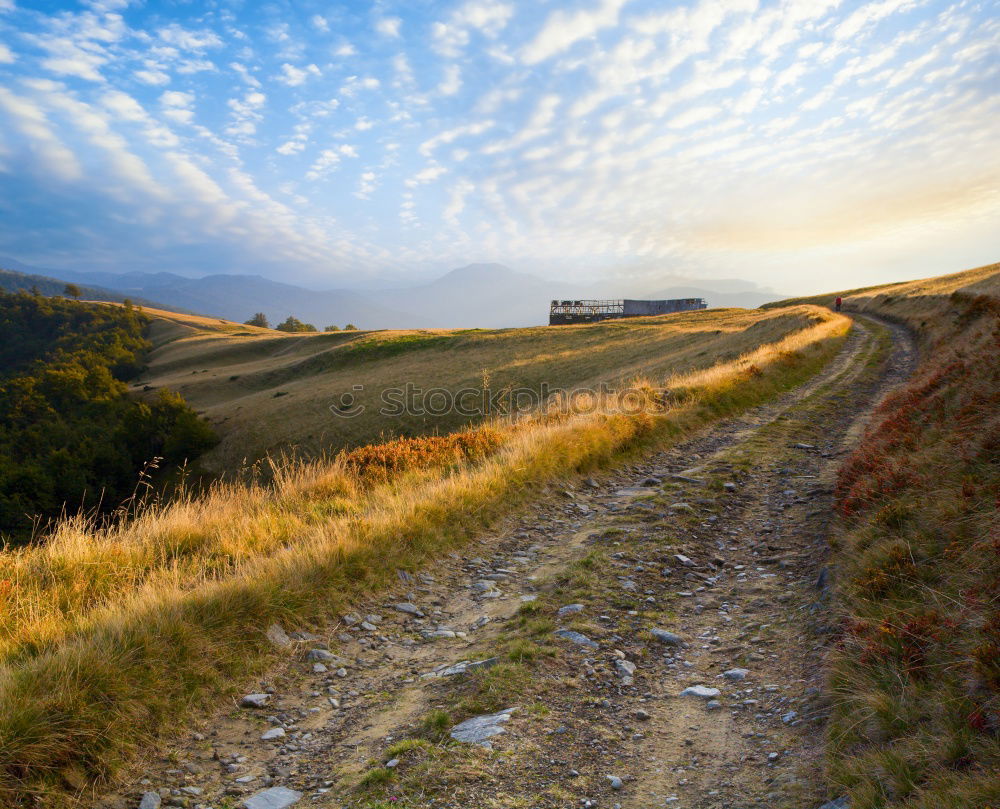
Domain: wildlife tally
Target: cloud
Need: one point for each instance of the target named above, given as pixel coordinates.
(123, 106)
(192, 40)
(427, 175)
(868, 15)
(456, 202)
(320, 23)
(31, 121)
(389, 26)
(366, 185)
(245, 114)
(244, 73)
(328, 160)
(67, 58)
(295, 76)
(535, 127)
(354, 84)
(6, 54)
(451, 36)
(152, 77)
(96, 127)
(177, 106)
(452, 81)
(450, 135)
(563, 29)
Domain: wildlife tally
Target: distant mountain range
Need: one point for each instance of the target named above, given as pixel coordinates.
(479, 295)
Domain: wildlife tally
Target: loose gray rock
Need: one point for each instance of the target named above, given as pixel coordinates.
(667, 638)
(736, 674)
(150, 800)
(625, 669)
(569, 609)
(576, 637)
(255, 700)
(839, 803)
(392, 763)
(351, 619)
(320, 656)
(438, 633)
(462, 667)
(273, 733)
(713, 705)
(480, 729)
(683, 560)
(615, 782)
(278, 636)
(700, 691)
(409, 609)
(273, 798)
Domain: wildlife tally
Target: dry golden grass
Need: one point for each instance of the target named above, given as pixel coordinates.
(916, 678)
(109, 635)
(267, 392)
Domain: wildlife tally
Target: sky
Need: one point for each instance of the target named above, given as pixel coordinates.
(800, 144)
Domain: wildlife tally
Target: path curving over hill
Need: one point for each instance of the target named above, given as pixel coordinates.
(720, 542)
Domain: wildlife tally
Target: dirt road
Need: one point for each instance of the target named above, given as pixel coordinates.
(719, 544)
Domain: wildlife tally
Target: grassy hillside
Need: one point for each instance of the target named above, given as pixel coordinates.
(161, 614)
(266, 391)
(916, 680)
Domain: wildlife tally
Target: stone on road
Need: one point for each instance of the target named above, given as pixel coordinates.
(273, 798)
(480, 729)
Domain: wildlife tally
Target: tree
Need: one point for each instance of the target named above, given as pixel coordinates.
(332, 328)
(350, 327)
(293, 324)
(259, 319)
(72, 291)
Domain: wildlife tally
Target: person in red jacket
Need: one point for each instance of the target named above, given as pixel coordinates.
(838, 302)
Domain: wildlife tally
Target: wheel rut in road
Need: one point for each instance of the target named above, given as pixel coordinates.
(721, 540)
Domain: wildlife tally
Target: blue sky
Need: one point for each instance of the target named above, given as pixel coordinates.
(803, 144)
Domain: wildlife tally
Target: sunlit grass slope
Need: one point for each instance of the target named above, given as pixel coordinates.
(916, 678)
(266, 392)
(111, 635)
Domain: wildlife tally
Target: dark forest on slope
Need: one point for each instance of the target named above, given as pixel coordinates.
(70, 436)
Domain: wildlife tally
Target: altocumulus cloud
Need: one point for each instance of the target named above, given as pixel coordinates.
(717, 136)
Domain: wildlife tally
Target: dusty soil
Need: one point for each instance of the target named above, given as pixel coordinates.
(722, 540)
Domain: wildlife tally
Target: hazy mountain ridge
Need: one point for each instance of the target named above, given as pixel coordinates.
(477, 295)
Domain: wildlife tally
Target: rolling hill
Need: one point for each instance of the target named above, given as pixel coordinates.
(265, 392)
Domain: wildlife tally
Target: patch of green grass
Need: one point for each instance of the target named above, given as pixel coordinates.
(375, 777)
(495, 689)
(436, 724)
(405, 746)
